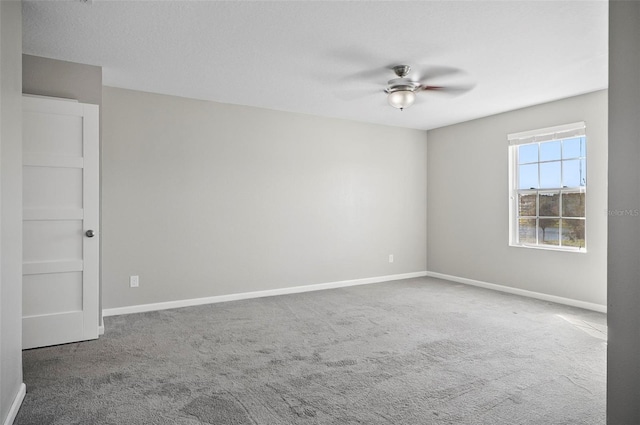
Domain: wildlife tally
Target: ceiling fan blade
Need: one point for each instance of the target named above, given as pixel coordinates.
(354, 94)
(367, 75)
(355, 55)
(362, 60)
(454, 90)
(434, 72)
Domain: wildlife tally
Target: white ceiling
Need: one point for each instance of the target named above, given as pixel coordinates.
(328, 58)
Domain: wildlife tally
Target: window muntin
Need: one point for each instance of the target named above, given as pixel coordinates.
(548, 185)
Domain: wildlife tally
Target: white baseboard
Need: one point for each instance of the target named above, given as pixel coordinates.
(15, 406)
(257, 294)
(538, 295)
(101, 330)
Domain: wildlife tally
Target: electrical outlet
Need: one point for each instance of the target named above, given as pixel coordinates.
(391, 258)
(134, 281)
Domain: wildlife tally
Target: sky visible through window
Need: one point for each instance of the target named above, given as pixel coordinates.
(552, 165)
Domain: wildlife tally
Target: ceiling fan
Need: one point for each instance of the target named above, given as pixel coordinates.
(402, 90)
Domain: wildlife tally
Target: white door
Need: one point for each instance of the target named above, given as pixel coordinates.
(60, 221)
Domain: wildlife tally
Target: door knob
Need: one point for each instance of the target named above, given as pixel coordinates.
(90, 233)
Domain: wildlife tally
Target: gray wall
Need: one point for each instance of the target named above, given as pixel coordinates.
(56, 78)
(10, 205)
(623, 355)
(468, 206)
(203, 199)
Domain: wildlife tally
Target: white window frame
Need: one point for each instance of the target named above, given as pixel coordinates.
(566, 131)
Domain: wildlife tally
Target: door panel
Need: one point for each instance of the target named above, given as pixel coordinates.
(60, 328)
(60, 200)
(53, 292)
(53, 134)
(52, 187)
(51, 240)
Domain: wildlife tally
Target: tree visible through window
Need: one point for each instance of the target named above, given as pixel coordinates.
(549, 180)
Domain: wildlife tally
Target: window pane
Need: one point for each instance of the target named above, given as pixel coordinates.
(549, 175)
(550, 151)
(573, 148)
(527, 231)
(571, 173)
(549, 204)
(548, 231)
(527, 153)
(573, 233)
(528, 176)
(527, 205)
(573, 204)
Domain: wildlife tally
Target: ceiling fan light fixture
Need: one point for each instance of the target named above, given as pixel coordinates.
(401, 99)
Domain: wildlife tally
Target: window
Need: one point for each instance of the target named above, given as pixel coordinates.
(548, 185)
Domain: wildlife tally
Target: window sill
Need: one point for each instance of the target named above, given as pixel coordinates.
(551, 248)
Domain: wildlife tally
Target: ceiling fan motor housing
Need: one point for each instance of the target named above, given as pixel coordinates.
(398, 84)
